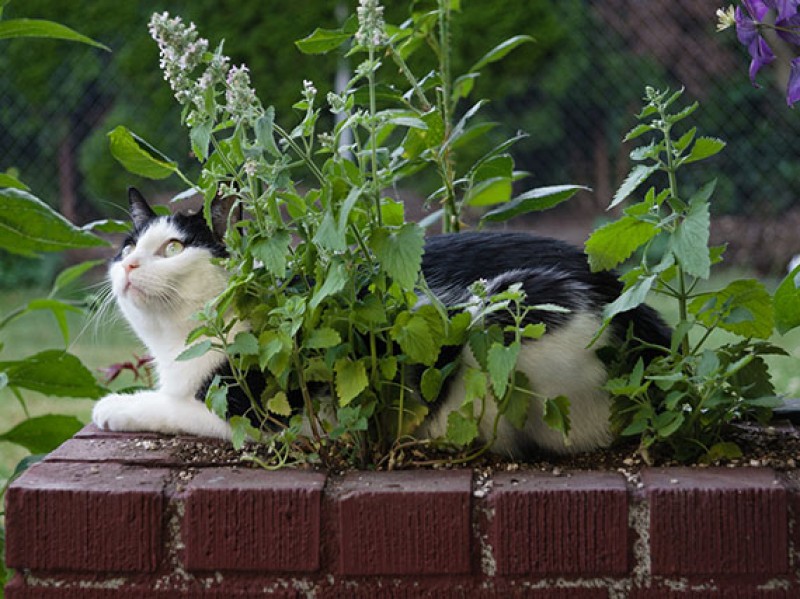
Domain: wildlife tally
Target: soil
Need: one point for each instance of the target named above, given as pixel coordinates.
(776, 446)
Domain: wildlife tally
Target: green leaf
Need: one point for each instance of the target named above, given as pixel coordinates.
(489, 192)
(499, 51)
(73, 273)
(704, 147)
(322, 41)
(667, 424)
(244, 344)
(334, 282)
(690, 240)
(726, 450)
(519, 402)
(351, 379)
(556, 414)
(139, 157)
(534, 200)
(744, 305)
(615, 242)
(787, 303)
(534, 331)
(53, 372)
(419, 334)
(279, 404)
(322, 338)
(28, 226)
(7, 180)
(400, 252)
(630, 298)
(638, 175)
(638, 131)
(272, 252)
(500, 362)
(43, 434)
(200, 136)
(194, 351)
(431, 383)
(13, 28)
(107, 225)
(264, 132)
(461, 430)
(217, 398)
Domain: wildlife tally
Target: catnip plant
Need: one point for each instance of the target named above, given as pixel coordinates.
(681, 403)
(328, 274)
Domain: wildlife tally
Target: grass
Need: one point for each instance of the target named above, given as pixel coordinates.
(103, 343)
(97, 344)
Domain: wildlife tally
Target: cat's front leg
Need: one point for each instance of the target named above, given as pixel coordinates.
(152, 411)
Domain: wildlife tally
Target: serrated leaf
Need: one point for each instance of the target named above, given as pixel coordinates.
(217, 398)
(704, 147)
(399, 252)
(245, 344)
(500, 51)
(556, 414)
(322, 41)
(689, 242)
(43, 434)
(322, 338)
(743, 294)
(534, 331)
(500, 363)
(107, 225)
(535, 200)
(638, 175)
(272, 252)
(787, 303)
(351, 379)
(638, 131)
(139, 157)
(29, 226)
(419, 334)
(460, 429)
(13, 28)
(279, 404)
(615, 242)
(200, 137)
(53, 372)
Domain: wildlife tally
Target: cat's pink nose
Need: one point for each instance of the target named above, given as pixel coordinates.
(130, 266)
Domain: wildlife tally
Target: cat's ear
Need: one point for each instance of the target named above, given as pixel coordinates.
(224, 212)
(141, 213)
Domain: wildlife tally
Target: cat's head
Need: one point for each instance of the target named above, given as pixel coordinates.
(165, 264)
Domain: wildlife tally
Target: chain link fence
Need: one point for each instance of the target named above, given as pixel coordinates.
(576, 111)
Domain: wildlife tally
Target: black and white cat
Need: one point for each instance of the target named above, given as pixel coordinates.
(164, 273)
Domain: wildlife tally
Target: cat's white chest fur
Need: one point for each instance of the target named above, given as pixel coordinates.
(158, 291)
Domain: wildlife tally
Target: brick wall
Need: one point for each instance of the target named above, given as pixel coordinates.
(114, 516)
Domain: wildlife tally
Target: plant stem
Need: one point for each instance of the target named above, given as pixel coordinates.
(451, 221)
(373, 110)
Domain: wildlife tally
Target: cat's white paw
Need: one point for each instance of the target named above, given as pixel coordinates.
(123, 413)
(152, 411)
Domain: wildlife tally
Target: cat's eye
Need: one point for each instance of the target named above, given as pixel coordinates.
(126, 250)
(172, 248)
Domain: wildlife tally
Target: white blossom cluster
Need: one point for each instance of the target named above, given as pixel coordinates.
(371, 27)
(182, 51)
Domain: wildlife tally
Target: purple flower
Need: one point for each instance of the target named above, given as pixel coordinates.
(750, 21)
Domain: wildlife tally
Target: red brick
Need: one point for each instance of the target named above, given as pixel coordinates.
(76, 589)
(122, 450)
(444, 588)
(81, 517)
(717, 521)
(545, 524)
(253, 520)
(405, 522)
